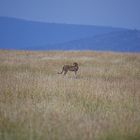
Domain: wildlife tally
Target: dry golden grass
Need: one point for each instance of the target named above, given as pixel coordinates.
(102, 103)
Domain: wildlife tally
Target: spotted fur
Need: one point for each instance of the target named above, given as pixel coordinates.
(67, 68)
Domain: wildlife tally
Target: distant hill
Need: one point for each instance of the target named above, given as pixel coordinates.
(122, 41)
(30, 35)
(23, 34)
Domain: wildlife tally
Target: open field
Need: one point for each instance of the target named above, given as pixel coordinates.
(102, 103)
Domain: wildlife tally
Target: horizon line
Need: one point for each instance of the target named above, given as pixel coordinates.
(78, 24)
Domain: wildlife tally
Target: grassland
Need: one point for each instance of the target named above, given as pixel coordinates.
(102, 103)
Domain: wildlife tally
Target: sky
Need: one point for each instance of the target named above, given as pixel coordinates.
(115, 13)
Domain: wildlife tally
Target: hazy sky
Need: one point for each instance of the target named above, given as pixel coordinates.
(117, 13)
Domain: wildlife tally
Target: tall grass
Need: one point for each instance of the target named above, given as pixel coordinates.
(102, 103)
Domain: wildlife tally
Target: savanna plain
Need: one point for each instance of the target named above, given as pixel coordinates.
(101, 103)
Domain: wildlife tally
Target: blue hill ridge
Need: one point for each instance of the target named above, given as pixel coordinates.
(22, 34)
